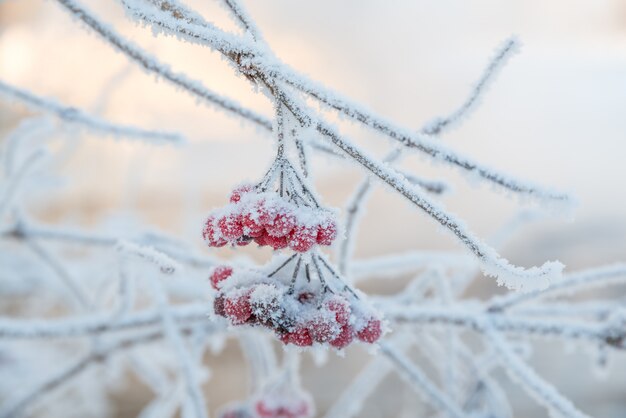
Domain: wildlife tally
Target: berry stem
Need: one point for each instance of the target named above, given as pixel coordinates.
(282, 265)
(336, 276)
(294, 277)
(325, 287)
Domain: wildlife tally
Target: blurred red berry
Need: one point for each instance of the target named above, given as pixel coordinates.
(219, 273)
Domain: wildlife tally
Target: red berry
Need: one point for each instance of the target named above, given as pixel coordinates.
(282, 225)
(276, 242)
(300, 337)
(220, 273)
(341, 308)
(230, 227)
(326, 232)
(218, 305)
(344, 338)
(236, 194)
(237, 307)
(302, 238)
(371, 332)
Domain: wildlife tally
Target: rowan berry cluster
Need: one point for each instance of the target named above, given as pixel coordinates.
(299, 315)
(269, 219)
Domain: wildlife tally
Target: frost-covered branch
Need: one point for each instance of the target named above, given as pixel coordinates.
(441, 124)
(422, 383)
(572, 282)
(151, 64)
(538, 388)
(78, 117)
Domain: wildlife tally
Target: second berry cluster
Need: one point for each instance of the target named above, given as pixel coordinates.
(300, 316)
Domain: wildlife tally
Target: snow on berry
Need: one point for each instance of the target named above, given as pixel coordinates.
(269, 219)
